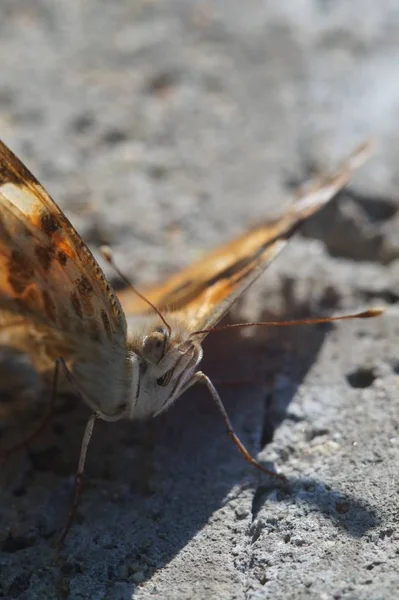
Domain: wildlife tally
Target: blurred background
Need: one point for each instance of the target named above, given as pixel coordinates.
(162, 128)
(170, 125)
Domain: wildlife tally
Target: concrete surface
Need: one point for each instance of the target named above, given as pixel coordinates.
(163, 128)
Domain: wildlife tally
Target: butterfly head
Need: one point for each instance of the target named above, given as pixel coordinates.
(165, 362)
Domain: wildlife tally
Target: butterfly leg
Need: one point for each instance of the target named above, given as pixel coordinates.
(78, 478)
(43, 423)
(81, 462)
(202, 378)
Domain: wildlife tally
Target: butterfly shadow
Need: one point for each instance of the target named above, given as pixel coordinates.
(152, 487)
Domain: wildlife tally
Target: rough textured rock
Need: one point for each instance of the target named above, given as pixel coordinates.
(163, 128)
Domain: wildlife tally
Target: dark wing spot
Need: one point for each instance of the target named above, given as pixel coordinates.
(21, 271)
(17, 285)
(84, 286)
(21, 265)
(85, 291)
(77, 307)
(49, 306)
(44, 255)
(62, 258)
(106, 323)
(49, 224)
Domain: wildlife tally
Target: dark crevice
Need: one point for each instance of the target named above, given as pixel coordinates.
(83, 123)
(377, 208)
(357, 217)
(20, 585)
(283, 491)
(19, 491)
(361, 378)
(161, 83)
(395, 367)
(15, 543)
(114, 136)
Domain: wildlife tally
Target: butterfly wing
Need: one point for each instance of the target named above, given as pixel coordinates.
(205, 291)
(51, 283)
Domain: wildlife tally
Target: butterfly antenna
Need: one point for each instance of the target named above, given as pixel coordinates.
(108, 256)
(367, 314)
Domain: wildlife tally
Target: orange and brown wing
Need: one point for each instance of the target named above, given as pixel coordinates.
(47, 273)
(205, 291)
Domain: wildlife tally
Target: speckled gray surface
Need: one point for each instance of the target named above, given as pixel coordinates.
(163, 128)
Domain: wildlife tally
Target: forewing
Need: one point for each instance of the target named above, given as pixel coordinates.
(47, 273)
(55, 301)
(205, 291)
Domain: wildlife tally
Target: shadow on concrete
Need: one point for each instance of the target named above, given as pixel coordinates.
(151, 487)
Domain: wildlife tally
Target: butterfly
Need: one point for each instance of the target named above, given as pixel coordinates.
(128, 357)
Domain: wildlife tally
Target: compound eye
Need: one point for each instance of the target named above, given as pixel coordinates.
(154, 346)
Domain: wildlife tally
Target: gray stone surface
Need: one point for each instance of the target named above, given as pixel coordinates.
(163, 128)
